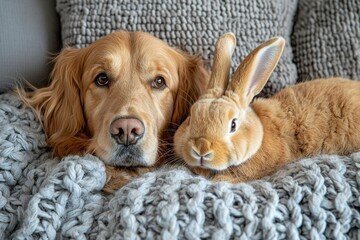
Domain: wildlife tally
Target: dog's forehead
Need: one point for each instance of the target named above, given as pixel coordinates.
(140, 48)
(150, 47)
(113, 47)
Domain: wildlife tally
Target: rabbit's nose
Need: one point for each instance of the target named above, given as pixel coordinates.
(201, 150)
(202, 156)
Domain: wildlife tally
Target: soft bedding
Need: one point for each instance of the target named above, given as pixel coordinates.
(44, 198)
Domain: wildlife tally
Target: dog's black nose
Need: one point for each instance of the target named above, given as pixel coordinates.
(127, 131)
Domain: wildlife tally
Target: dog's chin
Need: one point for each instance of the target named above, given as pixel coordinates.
(130, 156)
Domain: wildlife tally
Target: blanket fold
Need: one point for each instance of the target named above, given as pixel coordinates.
(42, 197)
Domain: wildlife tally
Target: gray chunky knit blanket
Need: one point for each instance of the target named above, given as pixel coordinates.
(44, 198)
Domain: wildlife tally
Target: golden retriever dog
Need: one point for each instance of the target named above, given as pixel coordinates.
(117, 99)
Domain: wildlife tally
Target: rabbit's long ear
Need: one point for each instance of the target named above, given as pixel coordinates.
(219, 78)
(254, 71)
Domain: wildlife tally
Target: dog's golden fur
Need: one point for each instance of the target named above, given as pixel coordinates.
(77, 113)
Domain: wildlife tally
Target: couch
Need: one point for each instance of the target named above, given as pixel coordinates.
(42, 197)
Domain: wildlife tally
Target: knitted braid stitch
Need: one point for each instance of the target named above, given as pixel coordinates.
(44, 198)
(21, 141)
(66, 203)
(313, 198)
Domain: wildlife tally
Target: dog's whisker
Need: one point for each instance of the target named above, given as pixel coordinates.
(174, 161)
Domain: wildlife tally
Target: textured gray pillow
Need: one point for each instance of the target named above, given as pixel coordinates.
(326, 39)
(192, 25)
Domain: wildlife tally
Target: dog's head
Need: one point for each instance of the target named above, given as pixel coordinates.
(117, 97)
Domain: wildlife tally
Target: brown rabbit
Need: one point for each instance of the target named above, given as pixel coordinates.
(229, 137)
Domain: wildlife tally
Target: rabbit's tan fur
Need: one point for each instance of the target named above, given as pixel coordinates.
(320, 116)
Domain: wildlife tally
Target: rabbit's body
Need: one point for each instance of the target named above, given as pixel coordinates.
(320, 116)
(315, 117)
(228, 138)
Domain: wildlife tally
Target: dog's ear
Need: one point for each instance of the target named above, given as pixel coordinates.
(193, 81)
(60, 104)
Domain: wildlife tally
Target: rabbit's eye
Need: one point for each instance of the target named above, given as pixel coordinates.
(233, 126)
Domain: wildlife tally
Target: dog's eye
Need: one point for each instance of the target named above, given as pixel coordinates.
(102, 80)
(233, 125)
(158, 83)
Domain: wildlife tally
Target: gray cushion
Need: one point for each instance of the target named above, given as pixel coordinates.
(327, 39)
(30, 31)
(192, 25)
